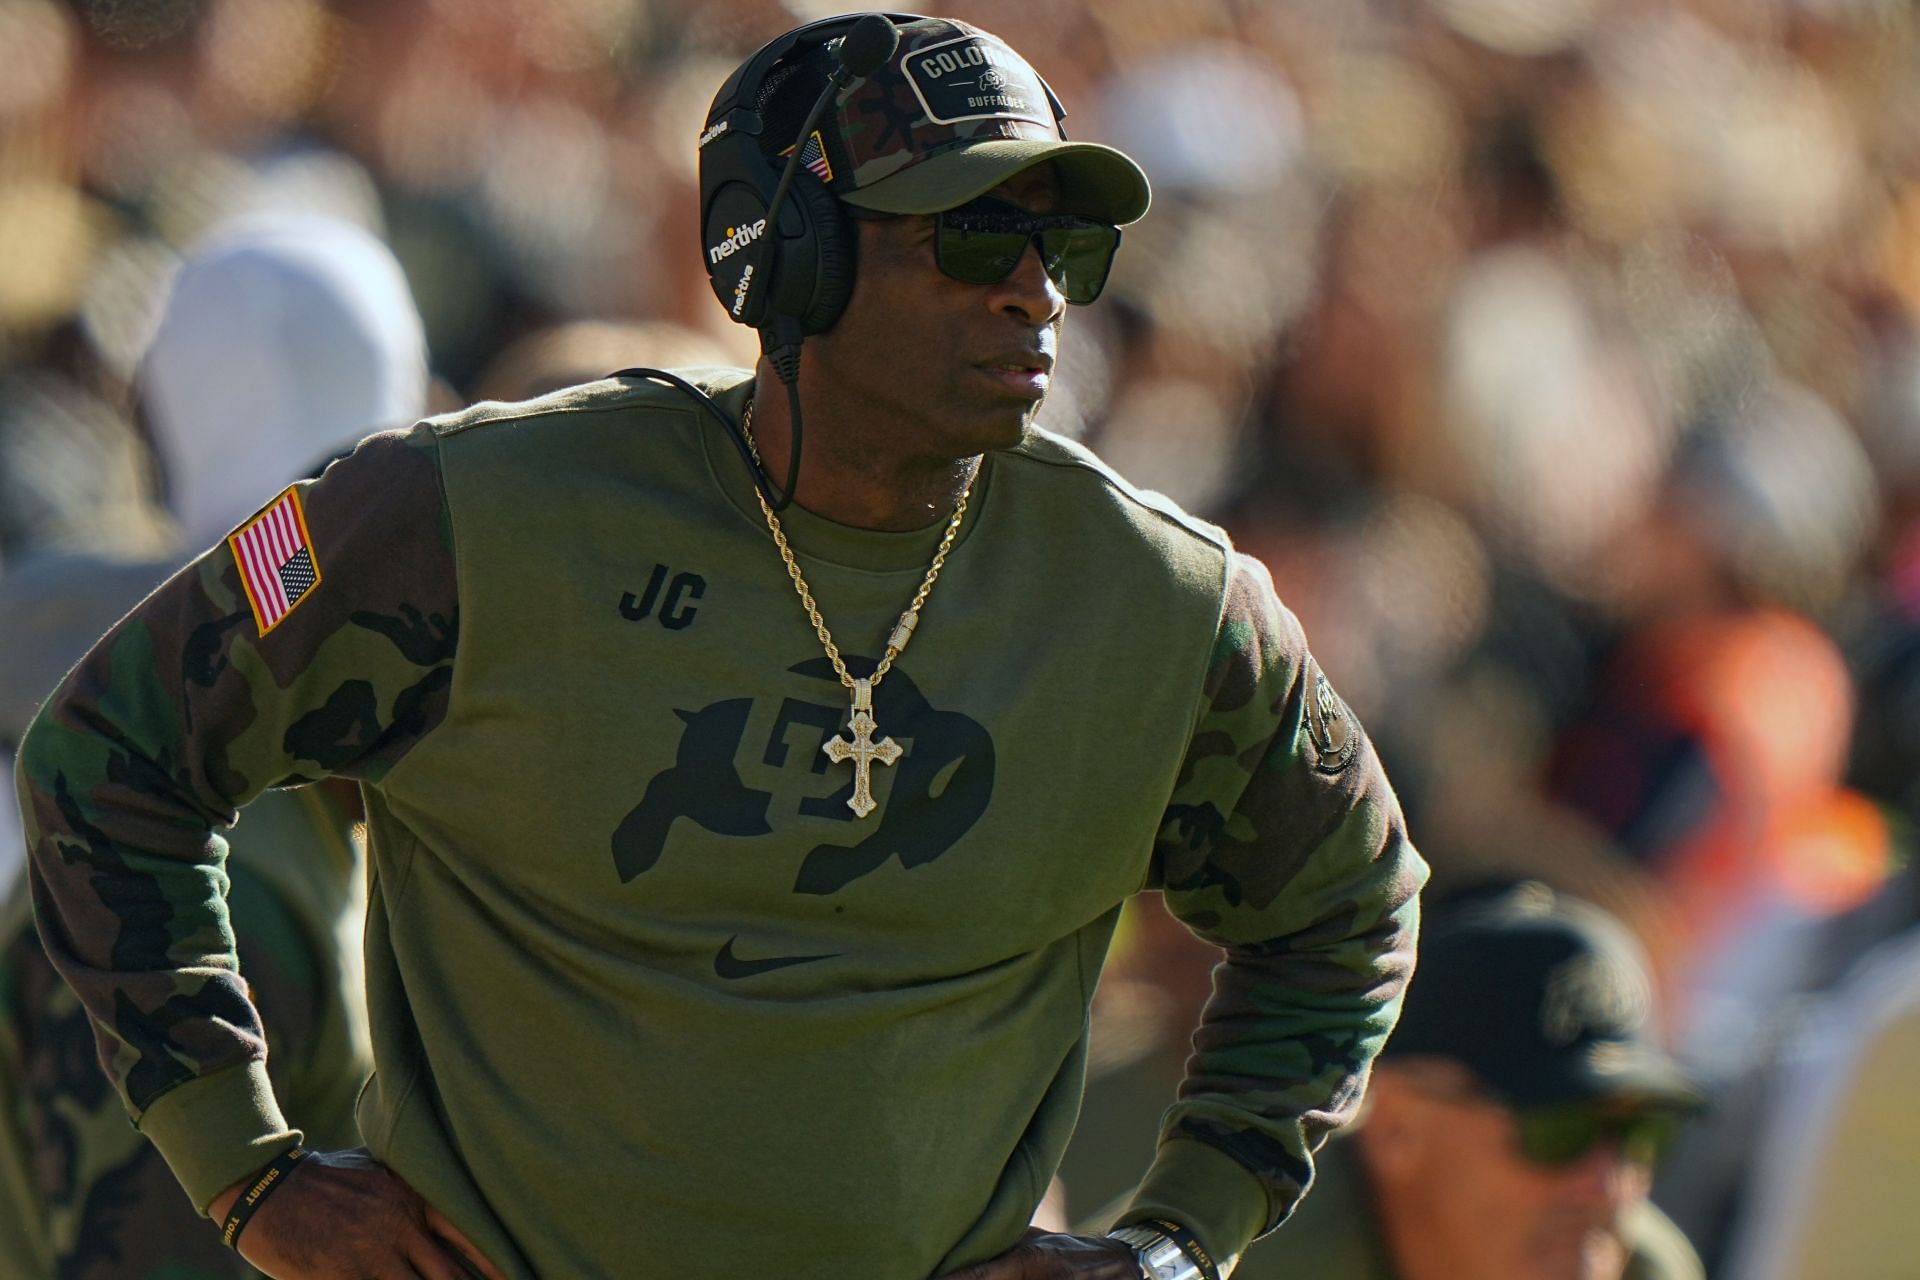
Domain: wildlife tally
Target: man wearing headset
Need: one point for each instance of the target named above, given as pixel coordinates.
(710, 927)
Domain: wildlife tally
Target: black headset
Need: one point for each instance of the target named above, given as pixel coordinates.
(800, 270)
(780, 249)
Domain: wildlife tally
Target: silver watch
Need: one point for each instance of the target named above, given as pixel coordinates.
(1159, 1255)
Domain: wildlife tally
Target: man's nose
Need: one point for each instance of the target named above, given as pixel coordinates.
(1606, 1177)
(1029, 293)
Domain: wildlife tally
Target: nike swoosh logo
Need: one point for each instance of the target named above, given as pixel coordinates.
(732, 967)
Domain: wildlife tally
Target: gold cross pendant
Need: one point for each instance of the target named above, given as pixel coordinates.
(863, 750)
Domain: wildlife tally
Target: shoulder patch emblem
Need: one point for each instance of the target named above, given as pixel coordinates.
(276, 560)
(1335, 735)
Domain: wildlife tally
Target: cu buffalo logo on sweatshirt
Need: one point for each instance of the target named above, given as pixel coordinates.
(934, 795)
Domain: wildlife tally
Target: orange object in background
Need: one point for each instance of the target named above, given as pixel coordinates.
(1716, 755)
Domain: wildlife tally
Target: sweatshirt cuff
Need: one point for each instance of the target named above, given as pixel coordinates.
(217, 1129)
(1206, 1191)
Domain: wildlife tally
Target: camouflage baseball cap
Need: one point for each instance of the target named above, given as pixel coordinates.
(1546, 999)
(951, 115)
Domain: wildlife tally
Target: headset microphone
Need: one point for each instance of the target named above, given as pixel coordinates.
(867, 47)
(861, 52)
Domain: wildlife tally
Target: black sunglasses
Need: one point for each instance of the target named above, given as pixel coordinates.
(1558, 1136)
(983, 241)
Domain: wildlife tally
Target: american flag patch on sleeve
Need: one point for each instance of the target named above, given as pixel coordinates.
(275, 555)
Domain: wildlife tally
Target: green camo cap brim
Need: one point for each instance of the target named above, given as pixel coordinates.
(1095, 181)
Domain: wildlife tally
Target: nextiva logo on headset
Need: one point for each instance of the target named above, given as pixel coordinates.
(738, 234)
(976, 77)
(794, 264)
(737, 239)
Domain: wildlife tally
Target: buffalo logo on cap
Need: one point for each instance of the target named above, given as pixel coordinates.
(1593, 995)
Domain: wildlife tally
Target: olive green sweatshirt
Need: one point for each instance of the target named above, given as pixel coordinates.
(646, 994)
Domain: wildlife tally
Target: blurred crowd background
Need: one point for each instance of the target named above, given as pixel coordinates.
(1560, 358)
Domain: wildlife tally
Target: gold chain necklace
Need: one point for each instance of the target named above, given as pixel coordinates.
(862, 750)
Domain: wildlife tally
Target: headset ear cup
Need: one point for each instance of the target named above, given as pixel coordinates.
(836, 249)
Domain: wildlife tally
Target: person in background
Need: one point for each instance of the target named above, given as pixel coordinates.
(1514, 1119)
(287, 337)
(284, 340)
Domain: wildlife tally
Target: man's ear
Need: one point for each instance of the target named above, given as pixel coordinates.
(1392, 1139)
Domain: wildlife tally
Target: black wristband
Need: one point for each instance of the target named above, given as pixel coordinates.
(1189, 1244)
(270, 1179)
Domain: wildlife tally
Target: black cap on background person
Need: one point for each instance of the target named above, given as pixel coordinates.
(1544, 998)
(1514, 1118)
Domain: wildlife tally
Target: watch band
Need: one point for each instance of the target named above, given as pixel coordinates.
(1167, 1251)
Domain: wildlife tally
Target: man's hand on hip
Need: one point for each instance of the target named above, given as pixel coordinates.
(342, 1215)
(1046, 1256)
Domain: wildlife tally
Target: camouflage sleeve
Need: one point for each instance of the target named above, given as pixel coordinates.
(89, 1198)
(233, 677)
(1283, 845)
